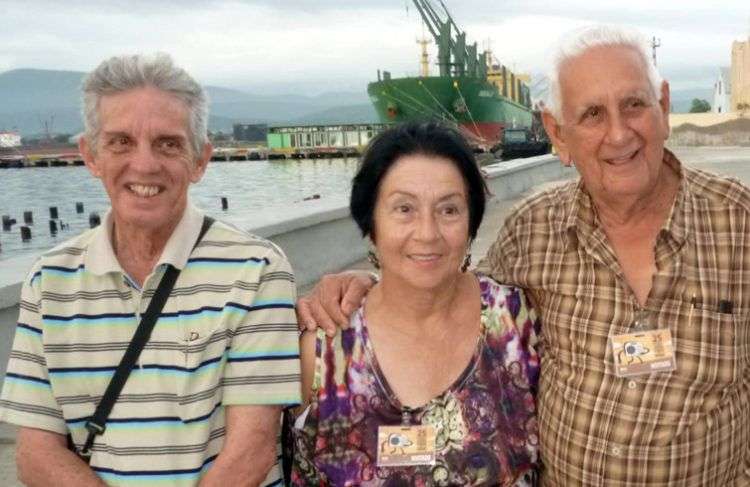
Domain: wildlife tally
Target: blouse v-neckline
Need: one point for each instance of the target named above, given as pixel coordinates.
(382, 380)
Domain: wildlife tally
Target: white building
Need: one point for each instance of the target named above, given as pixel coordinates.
(10, 139)
(722, 92)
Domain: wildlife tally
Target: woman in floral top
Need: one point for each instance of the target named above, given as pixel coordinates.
(434, 382)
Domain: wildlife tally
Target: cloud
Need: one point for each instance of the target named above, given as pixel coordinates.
(326, 45)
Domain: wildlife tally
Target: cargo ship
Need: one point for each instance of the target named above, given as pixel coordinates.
(472, 90)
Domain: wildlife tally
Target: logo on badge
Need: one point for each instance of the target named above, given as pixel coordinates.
(633, 351)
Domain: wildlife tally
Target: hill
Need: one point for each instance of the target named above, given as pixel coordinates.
(359, 113)
(35, 100)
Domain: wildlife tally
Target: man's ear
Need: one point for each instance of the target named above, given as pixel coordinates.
(554, 132)
(664, 102)
(201, 162)
(87, 152)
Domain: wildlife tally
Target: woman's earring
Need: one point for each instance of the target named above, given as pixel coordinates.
(373, 259)
(467, 262)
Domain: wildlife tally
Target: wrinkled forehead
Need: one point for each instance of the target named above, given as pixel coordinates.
(142, 108)
(601, 73)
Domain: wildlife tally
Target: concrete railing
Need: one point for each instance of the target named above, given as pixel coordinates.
(324, 239)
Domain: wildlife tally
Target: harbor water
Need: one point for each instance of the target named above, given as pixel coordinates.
(260, 191)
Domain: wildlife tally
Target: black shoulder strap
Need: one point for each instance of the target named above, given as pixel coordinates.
(97, 424)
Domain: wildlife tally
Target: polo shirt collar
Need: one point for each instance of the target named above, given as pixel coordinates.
(100, 256)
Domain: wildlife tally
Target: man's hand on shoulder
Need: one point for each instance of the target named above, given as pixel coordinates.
(332, 301)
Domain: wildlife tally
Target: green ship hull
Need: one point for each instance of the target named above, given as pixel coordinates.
(472, 103)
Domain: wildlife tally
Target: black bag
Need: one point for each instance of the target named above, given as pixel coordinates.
(287, 444)
(97, 423)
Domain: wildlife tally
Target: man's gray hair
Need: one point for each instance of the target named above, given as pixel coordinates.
(580, 40)
(123, 73)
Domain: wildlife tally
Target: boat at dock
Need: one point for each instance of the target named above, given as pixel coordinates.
(472, 90)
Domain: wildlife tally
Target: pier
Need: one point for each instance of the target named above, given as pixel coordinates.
(220, 154)
(227, 154)
(282, 142)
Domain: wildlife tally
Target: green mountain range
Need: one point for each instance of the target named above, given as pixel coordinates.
(37, 101)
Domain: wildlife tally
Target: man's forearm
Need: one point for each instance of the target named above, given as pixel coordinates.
(43, 460)
(249, 450)
(242, 469)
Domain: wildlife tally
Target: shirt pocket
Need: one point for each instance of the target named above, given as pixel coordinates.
(201, 357)
(711, 347)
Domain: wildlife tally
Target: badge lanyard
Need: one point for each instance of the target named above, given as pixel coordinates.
(405, 445)
(647, 349)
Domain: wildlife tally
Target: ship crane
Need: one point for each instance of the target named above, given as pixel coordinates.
(654, 44)
(454, 56)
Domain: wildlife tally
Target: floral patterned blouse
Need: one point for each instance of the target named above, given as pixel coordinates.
(485, 423)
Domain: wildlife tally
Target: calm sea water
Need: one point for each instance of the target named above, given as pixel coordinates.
(258, 188)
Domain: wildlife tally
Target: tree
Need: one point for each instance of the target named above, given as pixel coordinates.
(62, 138)
(700, 106)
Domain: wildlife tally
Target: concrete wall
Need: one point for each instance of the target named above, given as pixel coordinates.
(700, 119)
(317, 243)
(693, 138)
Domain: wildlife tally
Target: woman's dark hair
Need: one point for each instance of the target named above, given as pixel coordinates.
(410, 138)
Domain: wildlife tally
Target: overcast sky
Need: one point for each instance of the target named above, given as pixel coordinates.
(316, 46)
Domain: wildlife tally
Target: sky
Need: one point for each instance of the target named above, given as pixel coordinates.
(310, 47)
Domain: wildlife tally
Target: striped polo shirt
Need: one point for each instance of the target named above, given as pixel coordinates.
(226, 336)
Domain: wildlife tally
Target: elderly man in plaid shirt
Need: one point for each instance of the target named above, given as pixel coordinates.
(640, 271)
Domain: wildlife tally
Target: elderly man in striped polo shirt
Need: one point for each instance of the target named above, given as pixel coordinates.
(202, 404)
(640, 271)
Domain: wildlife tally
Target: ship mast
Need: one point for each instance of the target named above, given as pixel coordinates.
(424, 63)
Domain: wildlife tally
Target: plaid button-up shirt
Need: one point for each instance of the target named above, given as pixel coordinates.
(689, 427)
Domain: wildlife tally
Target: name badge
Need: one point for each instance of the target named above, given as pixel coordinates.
(643, 352)
(403, 446)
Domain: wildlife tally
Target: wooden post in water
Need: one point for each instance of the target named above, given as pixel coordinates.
(94, 220)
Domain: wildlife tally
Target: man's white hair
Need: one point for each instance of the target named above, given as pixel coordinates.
(123, 73)
(578, 41)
